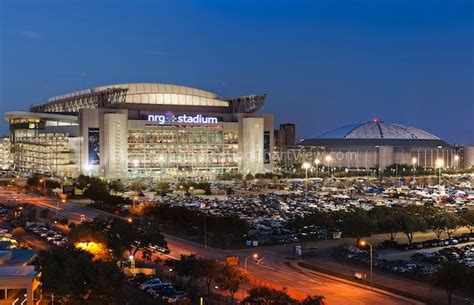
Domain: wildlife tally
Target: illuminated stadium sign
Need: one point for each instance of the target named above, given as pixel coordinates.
(182, 118)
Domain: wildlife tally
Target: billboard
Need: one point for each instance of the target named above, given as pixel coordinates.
(232, 260)
(94, 145)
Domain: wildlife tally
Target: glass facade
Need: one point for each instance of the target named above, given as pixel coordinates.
(35, 149)
(176, 151)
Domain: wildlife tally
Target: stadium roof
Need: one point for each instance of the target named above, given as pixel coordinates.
(374, 133)
(376, 129)
(149, 94)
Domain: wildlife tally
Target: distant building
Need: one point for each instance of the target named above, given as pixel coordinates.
(377, 145)
(285, 136)
(6, 160)
(467, 157)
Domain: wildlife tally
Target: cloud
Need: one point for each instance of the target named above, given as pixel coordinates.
(29, 34)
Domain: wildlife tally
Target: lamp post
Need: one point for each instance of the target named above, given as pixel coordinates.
(42, 180)
(439, 165)
(362, 243)
(456, 162)
(132, 264)
(316, 162)
(306, 166)
(254, 256)
(414, 160)
(328, 159)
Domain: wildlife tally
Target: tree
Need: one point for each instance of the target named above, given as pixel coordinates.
(117, 186)
(75, 278)
(357, 223)
(210, 272)
(451, 223)
(468, 220)
(437, 223)
(96, 190)
(450, 276)
(52, 184)
(441, 221)
(249, 177)
(267, 296)
(30, 212)
(148, 234)
(230, 279)
(411, 221)
(18, 233)
(82, 181)
(316, 218)
(44, 213)
(313, 300)
(119, 235)
(387, 220)
(33, 181)
(137, 186)
(162, 188)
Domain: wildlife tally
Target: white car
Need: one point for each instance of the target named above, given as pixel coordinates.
(153, 283)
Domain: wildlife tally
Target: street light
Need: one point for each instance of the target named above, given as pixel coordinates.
(414, 160)
(132, 264)
(439, 166)
(253, 256)
(328, 159)
(306, 166)
(363, 243)
(316, 162)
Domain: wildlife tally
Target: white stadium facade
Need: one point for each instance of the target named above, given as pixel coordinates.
(142, 130)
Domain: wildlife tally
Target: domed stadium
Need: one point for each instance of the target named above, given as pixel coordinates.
(375, 132)
(377, 145)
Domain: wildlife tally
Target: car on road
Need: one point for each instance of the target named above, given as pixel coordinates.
(158, 249)
(153, 283)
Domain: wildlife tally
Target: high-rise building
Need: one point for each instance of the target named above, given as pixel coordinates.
(286, 136)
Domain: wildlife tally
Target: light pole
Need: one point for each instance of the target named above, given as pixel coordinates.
(316, 162)
(328, 159)
(57, 208)
(306, 166)
(456, 162)
(42, 180)
(439, 165)
(414, 160)
(132, 264)
(362, 243)
(254, 256)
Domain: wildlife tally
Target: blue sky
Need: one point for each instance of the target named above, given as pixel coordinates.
(323, 64)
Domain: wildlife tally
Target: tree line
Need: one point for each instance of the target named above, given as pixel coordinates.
(220, 231)
(408, 220)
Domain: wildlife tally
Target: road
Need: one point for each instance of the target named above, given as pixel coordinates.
(271, 271)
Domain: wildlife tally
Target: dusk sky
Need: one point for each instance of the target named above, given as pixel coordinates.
(323, 64)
